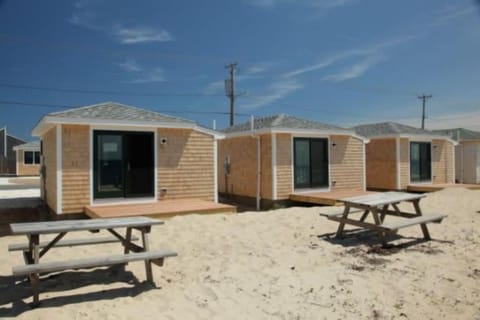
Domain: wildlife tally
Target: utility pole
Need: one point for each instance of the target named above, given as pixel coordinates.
(230, 90)
(424, 99)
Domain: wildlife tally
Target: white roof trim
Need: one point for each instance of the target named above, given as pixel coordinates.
(48, 121)
(216, 134)
(296, 131)
(414, 137)
(20, 147)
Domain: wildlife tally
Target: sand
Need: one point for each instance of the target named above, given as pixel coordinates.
(279, 264)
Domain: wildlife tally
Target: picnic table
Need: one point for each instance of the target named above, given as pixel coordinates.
(34, 249)
(380, 206)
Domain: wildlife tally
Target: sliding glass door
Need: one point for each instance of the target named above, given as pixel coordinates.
(123, 164)
(420, 162)
(310, 163)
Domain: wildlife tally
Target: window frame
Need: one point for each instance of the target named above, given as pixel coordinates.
(33, 157)
(429, 161)
(310, 185)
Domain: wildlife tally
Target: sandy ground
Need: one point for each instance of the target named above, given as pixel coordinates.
(17, 188)
(19, 192)
(280, 264)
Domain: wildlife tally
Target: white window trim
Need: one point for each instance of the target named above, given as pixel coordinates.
(274, 167)
(399, 175)
(364, 166)
(215, 170)
(30, 164)
(431, 162)
(59, 169)
(454, 174)
(292, 147)
(115, 201)
(111, 201)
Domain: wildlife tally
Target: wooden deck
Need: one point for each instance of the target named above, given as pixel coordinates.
(160, 209)
(437, 187)
(330, 198)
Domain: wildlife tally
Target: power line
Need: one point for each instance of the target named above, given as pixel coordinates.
(106, 92)
(95, 50)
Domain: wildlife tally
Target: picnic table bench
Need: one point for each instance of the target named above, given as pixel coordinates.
(34, 249)
(379, 206)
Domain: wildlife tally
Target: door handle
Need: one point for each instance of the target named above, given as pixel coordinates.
(128, 166)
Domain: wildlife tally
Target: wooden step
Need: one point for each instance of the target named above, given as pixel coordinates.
(407, 222)
(91, 262)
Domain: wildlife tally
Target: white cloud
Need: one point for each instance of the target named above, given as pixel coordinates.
(368, 57)
(140, 34)
(320, 65)
(84, 19)
(130, 65)
(142, 74)
(152, 75)
(215, 87)
(85, 16)
(356, 70)
(469, 120)
(309, 3)
(276, 91)
(258, 68)
(453, 12)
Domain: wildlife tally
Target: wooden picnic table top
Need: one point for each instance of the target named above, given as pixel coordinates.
(48, 227)
(380, 199)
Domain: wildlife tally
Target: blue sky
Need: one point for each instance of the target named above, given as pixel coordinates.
(337, 61)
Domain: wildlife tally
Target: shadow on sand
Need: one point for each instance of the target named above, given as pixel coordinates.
(14, 290)
(357, 237)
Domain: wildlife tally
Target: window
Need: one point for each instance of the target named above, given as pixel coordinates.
(31, 157)
(420, 162)
(310, 163)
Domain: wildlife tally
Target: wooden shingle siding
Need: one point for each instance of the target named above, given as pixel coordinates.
(442, 161)
(346, 163)
(26, 169)
(75, 168)
(404, 163)
(266, 161)
(450, 161)
(284, 166)
(185, 164)
(243, 166)
(50, 160)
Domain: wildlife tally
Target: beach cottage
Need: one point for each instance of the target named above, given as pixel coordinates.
(28, 159)
(7, 154)
(275, 158)
(467, 154)
(402, 157)
(110, 153)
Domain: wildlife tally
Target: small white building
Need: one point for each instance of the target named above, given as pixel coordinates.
(467, 154)
(28, 159)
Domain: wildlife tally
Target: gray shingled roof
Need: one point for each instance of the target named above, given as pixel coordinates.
(29, 145)
(390, 128)
(285, 122)
(460, 134)
(117, 111)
